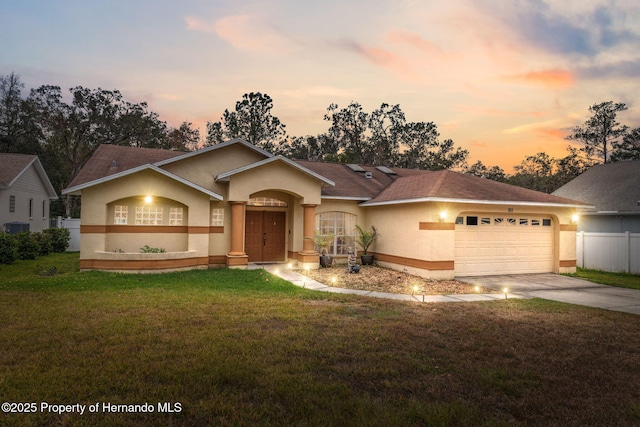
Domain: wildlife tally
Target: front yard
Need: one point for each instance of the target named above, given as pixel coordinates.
(230, 347)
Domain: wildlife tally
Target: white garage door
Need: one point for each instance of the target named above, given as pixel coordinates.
(500, 244)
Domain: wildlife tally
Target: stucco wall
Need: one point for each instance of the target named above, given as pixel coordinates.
(97, 210)
(274, 176)
(203, 168)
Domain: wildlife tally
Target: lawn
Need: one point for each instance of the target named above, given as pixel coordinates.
(228, 347)
(621, 280)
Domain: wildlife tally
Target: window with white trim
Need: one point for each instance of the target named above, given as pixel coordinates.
(12, 204)
(120, 214)
(175, 216)
(267, 201)
(217, 217)
(343, 227)
(149, 215)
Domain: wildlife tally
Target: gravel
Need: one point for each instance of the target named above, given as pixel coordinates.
(378, 279)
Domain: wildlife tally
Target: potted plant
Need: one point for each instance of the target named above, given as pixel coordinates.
(323, 241)
(364, 240)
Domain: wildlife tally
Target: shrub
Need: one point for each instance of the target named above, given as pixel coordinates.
(8, 248)
(28, 245)
(148, 250)
(44, 240)
(59, 238)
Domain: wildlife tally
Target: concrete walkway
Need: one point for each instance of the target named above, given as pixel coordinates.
(564, 289)
(299, 279)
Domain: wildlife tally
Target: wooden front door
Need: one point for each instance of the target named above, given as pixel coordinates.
(265, 236)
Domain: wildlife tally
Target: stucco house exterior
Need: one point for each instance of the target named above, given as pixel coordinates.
(25, 192)
(233, 204)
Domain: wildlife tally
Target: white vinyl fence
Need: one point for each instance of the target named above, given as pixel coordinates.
(73, 224)
(616, 252)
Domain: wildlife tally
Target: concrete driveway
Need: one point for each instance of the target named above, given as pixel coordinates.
(564, 289)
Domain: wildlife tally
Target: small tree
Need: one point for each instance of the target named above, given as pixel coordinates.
(366, 238)
(601, 132)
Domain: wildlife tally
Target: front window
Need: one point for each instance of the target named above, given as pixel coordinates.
(343, 227)
(148, 215)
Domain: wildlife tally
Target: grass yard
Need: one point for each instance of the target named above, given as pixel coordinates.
(621, 280)
(244, 348)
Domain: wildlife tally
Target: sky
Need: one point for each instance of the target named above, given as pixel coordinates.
(503, 79)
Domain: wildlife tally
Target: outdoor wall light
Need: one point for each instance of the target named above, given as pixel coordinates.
(575, 218)
(148, 199)
(443, 216)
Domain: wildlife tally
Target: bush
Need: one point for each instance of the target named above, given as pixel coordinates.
(8, 248)
(59, 238)
(28, 245)
(44, 240)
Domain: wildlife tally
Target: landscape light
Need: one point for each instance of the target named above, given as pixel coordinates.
(415, 289)
(477, 288)
(333, 280)
(289, 266)
(505, 290)
(276, 271)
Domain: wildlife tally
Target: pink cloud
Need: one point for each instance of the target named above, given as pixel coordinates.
(555, 78)
(243, 32)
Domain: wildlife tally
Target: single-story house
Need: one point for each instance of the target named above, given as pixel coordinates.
(233, 204)
(614, 190)
(609, 233)
(25, 193)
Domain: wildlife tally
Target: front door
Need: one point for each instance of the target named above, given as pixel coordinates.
(265, 236)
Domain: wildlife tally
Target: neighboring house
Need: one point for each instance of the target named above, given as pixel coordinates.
(25, 192)
(614, 190)
(233, 204)
(609, 233)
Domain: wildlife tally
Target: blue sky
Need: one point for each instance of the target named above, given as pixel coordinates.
(503, 79)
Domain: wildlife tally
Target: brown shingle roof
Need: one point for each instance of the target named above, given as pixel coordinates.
(110, 159)
(380, 188)
(447, 184)
(12, 166)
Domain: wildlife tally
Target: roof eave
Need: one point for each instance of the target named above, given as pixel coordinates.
(472, 201)
(225, 176)
(78, 188)
(213, 148)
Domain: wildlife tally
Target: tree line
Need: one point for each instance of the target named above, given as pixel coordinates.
(64, 132)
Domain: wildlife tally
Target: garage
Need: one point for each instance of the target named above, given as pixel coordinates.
(500, 244)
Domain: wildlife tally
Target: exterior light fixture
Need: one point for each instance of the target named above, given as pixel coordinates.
(476, 288)
(575, 218)
(290, 266)
(415, 290)
(333, 280)
(276, 271)
(148, 199)
(505, 291)
(443, 216)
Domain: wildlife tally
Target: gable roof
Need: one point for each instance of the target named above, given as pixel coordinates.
(14, 165)
(446, 185)
(111, 159)
(226, 175)
(367, 184)
(213, 195)
(611, 187)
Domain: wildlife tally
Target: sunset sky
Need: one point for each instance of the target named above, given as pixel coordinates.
(503, 79)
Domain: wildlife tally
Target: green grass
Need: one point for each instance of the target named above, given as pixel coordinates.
(621, 280)
(246, 348)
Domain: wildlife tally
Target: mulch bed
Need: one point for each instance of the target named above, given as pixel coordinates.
(378, 279)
